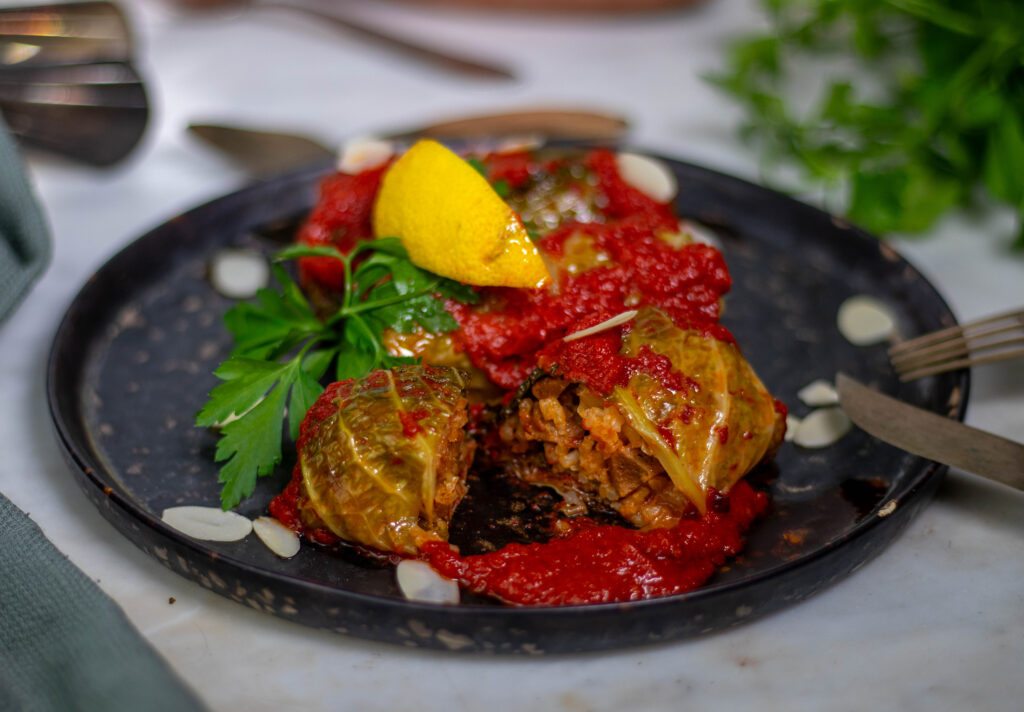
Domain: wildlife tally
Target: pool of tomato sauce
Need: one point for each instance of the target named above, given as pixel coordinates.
(513, 331)
(595, 563)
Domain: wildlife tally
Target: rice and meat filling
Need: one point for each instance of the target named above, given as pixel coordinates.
(563, 436)
(646, 449)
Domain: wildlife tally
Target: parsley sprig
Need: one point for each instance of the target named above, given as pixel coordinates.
(921, 107)
(282, 350)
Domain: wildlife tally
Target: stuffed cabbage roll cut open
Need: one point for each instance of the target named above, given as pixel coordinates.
(384, 458)
(648, 419)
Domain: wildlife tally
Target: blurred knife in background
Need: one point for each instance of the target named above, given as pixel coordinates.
(263, 153)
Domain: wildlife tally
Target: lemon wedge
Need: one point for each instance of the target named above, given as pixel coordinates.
(453, 223)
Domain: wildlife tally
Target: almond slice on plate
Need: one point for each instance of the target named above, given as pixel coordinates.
(238, 274)
(822, 428)
(864, 320)
(700, 234)
(818, 393)
(792, 425)
(362, 154)
(418, 581)
(279, 539)
(648, 175)
(208, 523)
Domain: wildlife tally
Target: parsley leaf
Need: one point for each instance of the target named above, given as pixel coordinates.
(283, 349)
(501, 186)
(477, 165)
(249, 457)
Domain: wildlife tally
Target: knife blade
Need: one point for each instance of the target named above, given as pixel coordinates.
(444, 60)
(263, 153)
(930, 435)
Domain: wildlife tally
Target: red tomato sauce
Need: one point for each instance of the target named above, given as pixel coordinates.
(285, 509)
(505, 334)
(604, 564)
(596, 361)
(341, 218)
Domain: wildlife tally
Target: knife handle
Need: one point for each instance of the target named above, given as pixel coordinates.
(550, 123)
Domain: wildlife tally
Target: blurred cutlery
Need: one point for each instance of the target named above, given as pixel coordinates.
(67, 33)
(444, 60)
(92, 113)
(263, 153)
(66, 81)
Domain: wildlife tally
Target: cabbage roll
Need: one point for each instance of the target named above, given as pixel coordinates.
(384, 458)
(646, 449)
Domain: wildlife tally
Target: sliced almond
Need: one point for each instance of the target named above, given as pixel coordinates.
(864, 320)
(603, 326)
(792, 424)
(208, 523)
(419, 582)
(822, 428)
(700, 234)
(516, 144)
(362, 154)
(648, 175)
(279, 539)
(818, 393)
(238, 274)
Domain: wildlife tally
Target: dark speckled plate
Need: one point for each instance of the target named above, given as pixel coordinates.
(132, 362)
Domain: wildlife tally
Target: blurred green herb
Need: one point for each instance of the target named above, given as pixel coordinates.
(282, 350)
(501, 186)
(925, 114)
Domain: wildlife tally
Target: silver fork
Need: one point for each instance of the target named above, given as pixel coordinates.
(989, 340)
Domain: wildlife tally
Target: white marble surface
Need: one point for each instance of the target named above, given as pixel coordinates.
(934, 623)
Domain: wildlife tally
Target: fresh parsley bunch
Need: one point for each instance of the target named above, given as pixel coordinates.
(283, 350)
(926, 115)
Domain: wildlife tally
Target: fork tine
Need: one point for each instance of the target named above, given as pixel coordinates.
(980, 342)
(1015, 316)
(964, 352)
(956, 347)
(960, 363)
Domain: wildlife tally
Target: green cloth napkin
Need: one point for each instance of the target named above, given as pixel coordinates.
(24, 238)
(64, 645)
